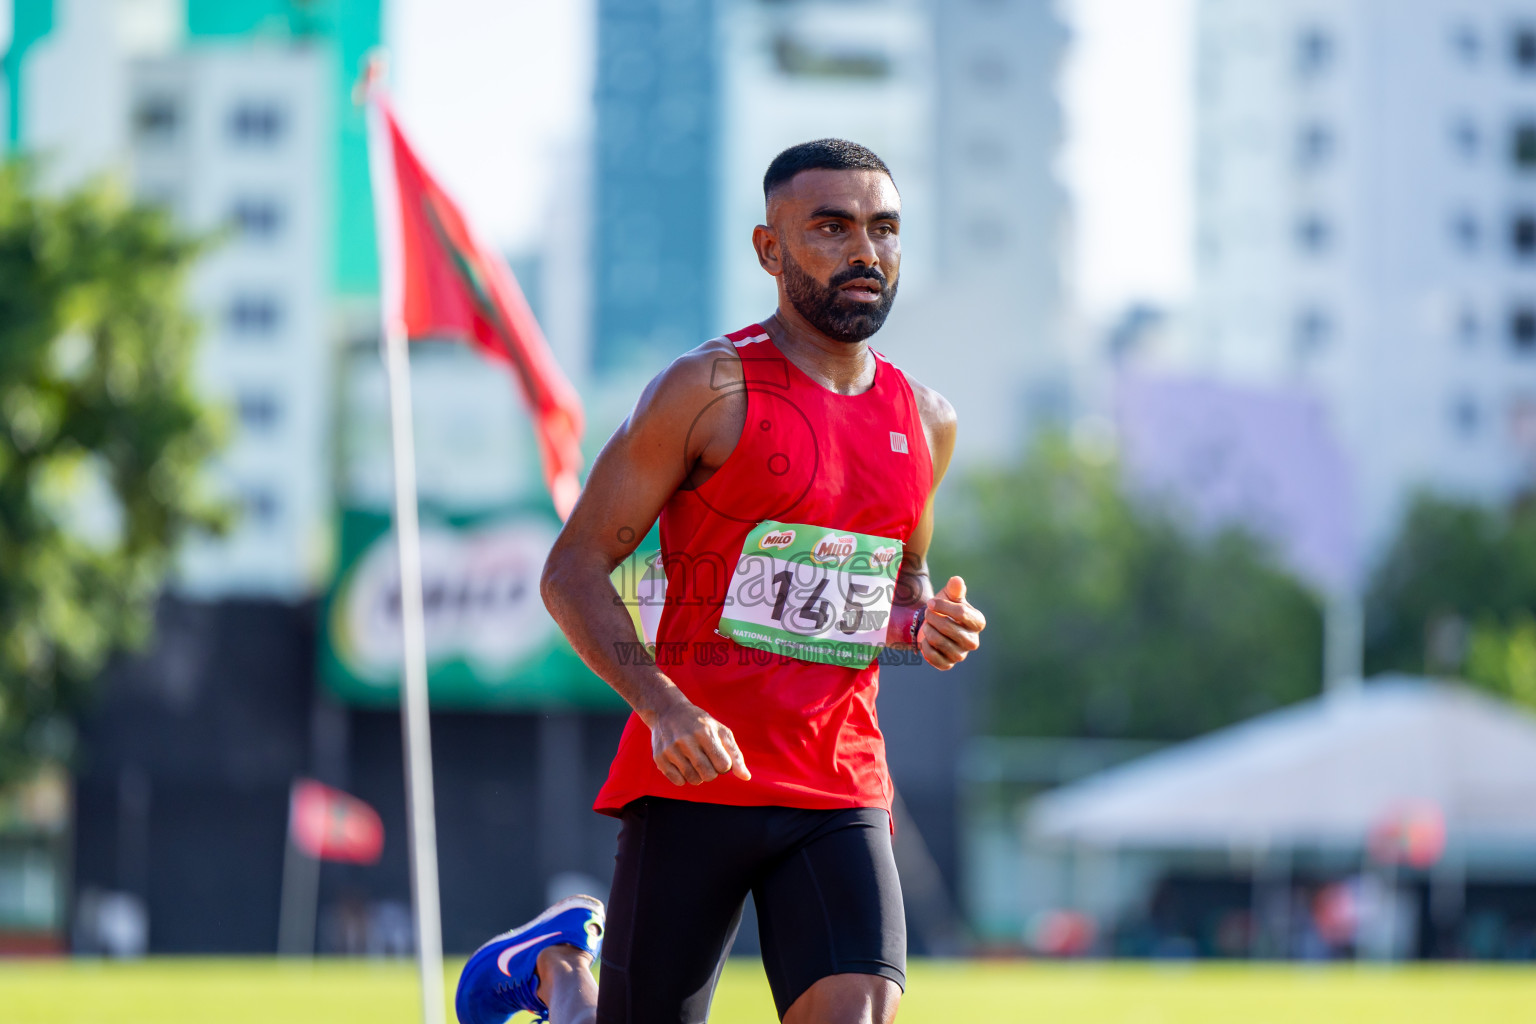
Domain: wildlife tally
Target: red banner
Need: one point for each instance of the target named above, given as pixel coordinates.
(331, 825)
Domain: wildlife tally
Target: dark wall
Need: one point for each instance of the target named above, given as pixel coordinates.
(182, 791)
(925, 715)
(186, 761)
(494, 837)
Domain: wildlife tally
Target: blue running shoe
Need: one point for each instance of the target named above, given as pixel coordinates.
(500, 979)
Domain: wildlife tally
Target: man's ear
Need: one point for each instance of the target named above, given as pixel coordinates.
(766, 241)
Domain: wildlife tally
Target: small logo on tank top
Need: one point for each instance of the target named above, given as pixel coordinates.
(898, 442)
(777, 539)
(834, 549)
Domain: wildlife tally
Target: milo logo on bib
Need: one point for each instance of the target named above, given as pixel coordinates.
(777, 539)
(812, 593)
(834, 549)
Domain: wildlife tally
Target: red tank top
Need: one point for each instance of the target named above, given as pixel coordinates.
(860, 463)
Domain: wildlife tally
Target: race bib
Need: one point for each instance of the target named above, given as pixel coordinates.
(812, 593)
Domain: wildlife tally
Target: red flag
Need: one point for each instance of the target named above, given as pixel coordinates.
(440, 280)
(331, 825)
(1413, 834)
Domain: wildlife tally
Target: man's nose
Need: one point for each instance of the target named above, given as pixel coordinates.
(864, 252)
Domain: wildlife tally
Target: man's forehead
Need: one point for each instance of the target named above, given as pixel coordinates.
(856, 190)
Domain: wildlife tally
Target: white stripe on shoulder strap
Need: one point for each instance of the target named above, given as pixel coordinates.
(744, 342)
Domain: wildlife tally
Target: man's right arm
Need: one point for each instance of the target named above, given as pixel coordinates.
(640, 467)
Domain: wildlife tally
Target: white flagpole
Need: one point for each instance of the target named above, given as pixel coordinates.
(415, 721)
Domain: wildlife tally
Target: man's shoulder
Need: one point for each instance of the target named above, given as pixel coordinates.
(694, 382)
(934, 409)
(713, 366)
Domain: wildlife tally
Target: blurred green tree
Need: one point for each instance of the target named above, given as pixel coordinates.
(101, 443)
(1455, 595)
(1108, 618)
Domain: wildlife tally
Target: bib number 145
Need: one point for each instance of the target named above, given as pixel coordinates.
(811, 593)
(860, 613)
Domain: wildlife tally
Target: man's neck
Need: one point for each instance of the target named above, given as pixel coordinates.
(845, 367)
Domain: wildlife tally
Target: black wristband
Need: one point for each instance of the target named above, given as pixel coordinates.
(916, 629)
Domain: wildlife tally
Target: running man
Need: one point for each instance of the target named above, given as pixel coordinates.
(793, 469)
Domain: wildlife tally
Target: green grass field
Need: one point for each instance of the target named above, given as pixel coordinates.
(269, 992)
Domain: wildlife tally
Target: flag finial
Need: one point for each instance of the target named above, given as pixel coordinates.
(375, 68)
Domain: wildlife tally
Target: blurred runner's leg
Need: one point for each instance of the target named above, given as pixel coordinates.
(566, 985)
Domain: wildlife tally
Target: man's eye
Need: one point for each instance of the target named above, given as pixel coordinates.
(832, 228)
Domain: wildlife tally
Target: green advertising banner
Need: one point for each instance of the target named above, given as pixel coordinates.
(490, 642)
(487, 527)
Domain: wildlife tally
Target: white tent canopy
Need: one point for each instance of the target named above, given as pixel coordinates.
(1324, 772)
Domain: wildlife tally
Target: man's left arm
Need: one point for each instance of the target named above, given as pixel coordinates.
(944, 627)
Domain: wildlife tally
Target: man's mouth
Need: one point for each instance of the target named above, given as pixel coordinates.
(862, 289)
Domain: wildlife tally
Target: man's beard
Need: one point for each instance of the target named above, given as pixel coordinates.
(829, 310)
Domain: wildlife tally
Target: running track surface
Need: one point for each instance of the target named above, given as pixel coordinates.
(268, 991)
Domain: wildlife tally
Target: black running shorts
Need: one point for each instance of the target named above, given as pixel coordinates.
(824, 883)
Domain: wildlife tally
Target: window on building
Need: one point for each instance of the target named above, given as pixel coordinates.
(1207, 173)
(1465, 137)
(1312, 333)
(1467, 43)
(256, 122)
(1522, 328)
(1208, 74)
(1522, 235)
(1208, 248)
(988, 152)
(988, 233)
(1315, 51)
(1523, 48)
(1522, 422)
(155, 118)
(990, 71)
(1466, 415)
(254, 314)
(262, 506)
(1522, 145)
(1468, 326)
(257, 218)
(1466, 230)
(258, 410)
(1314, 234)
(1314, 146)
(803, 57)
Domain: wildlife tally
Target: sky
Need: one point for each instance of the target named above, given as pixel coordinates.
(497, 94)
(1127, 87)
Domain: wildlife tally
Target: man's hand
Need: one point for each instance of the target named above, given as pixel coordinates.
(690, 746)
(951, 628)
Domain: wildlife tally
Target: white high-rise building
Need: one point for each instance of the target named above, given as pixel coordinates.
(233, 139)
(1366, 229)
(227, 115)
(797, 71)
(958, 97)
(1004, 222)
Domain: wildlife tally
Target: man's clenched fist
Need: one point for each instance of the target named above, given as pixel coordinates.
(951, 628)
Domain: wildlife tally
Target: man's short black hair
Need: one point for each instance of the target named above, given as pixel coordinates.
(821, 155)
